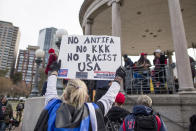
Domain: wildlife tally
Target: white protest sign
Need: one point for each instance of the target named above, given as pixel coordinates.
(89, 57)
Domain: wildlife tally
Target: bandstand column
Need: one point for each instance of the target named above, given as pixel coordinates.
(88, 27)
(116, 18)
(116, 22)
(180, 47)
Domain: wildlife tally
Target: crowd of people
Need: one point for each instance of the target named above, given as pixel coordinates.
(140, 70)
(74, 111)
(7, 119)
(142, 75)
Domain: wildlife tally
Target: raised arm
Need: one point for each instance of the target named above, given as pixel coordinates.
(108, 99)
(51, 91)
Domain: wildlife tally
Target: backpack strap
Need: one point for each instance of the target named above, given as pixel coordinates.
(92, 114)
(124, 128)
(158, 122)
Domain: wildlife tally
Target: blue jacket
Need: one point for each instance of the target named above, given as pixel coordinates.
(58, 116)
(129, 122)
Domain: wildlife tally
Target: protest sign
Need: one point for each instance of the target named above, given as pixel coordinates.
(89, 57)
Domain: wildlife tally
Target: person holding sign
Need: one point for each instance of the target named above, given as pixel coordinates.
(72, 112)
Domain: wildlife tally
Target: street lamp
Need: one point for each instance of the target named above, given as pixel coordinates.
(39, 54)
(59, 34)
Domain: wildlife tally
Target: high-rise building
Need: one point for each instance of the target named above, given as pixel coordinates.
(26, 64)
(9, 42)
(46, 41)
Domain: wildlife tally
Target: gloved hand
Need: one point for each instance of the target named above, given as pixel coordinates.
(55, 66)
(120, 74)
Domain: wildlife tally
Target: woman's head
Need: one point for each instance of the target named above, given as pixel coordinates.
(75, 93)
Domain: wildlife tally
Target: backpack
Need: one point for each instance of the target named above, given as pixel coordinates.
(146, 123)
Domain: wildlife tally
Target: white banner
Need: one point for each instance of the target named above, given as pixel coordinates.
(89, 57)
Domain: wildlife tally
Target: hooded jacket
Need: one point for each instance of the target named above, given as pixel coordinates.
(59, 116)
(129, 122)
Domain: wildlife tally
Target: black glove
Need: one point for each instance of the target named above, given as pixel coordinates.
(55, 66)
(120, 72)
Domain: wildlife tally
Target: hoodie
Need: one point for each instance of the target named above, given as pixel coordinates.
(129, 122)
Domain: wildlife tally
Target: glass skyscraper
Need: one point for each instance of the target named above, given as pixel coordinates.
(46, 41)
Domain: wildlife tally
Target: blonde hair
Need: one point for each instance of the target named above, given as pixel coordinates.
(144, 100)
(75, 93)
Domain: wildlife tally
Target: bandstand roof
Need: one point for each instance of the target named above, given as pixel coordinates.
(145, 23)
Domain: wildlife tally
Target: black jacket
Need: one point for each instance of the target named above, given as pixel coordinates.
(128, 63)
(116, 114)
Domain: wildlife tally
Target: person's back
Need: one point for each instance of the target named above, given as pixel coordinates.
(71, 112)
(143, 117)
(59, 116)
(116, 114)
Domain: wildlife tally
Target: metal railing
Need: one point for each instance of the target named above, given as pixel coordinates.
(155, 80)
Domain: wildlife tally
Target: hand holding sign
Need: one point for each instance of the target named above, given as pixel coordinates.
(120, 74)
(90, 57)
(55, 66)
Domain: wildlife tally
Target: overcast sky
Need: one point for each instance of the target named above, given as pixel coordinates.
(33, 15)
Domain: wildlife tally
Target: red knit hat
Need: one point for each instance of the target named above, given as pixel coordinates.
(142, 54)
(120, 98)
(51, 50)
